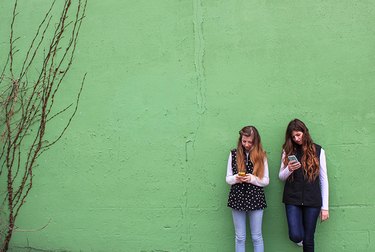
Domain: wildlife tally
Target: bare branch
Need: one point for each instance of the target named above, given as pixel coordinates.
(28, 106)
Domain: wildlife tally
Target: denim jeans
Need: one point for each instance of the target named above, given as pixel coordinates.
(302, 223)
(239, 221)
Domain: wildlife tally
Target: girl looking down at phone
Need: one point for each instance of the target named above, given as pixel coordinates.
(306, 184)
(247, 173)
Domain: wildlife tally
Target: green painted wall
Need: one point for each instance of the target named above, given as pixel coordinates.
(169, 85)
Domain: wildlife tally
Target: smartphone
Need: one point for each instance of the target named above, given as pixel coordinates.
(241, 173)
(293, 158)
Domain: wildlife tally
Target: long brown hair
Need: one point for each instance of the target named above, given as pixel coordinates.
(309, 161)
(257, 154)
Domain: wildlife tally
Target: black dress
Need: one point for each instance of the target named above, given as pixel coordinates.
(245, 196)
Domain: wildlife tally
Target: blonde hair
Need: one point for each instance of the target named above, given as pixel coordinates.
(257, 154)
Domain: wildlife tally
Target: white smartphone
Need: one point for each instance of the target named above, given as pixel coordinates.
(293, 158)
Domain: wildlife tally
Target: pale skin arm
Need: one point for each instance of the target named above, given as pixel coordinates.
(323, 176)
(324, 215)
(250, 178)
(286, 171)
(230, 178)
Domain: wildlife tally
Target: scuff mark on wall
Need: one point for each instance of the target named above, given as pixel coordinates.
(33, 249)
(199, 51)
(186, 149)
(185, 217)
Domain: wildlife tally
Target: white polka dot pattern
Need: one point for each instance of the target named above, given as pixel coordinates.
(244, 196)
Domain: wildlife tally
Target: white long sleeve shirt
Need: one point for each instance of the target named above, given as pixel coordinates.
(231, 179)
(284, 173)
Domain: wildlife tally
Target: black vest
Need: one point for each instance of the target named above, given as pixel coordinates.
(298, 190)
(245, 196)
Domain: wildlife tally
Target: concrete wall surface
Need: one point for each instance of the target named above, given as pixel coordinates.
(169, 85)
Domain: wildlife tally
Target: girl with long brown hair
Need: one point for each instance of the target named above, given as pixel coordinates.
(247, 173)
(303, 168)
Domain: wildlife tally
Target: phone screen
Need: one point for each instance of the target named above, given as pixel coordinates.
(293, 158)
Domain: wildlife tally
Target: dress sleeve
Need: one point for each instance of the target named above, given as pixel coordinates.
(284, 172)
(323, 176)
(230, 178)
(263, 181)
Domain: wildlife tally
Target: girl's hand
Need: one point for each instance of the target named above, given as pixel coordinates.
(324, 215)
(246, 178)
(238, 178)
(293, 165)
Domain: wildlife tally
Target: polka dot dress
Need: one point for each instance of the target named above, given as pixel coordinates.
(245, 196)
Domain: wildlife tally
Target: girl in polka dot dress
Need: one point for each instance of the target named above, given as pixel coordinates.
(247, 173)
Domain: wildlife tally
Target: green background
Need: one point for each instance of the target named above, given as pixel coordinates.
(169, 84)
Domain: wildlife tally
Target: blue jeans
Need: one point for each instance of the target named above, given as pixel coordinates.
(302, 224)
(239, 221)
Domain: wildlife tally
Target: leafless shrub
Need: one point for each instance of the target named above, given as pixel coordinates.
(28, 90)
